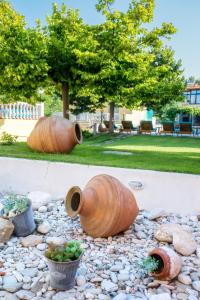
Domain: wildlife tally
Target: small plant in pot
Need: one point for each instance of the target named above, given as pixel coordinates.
(163, 263)
(18, 209)
(63, 262)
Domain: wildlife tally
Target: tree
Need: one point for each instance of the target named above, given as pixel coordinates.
(69, 41)
(134, 66)
(23, 67)
(31, 59)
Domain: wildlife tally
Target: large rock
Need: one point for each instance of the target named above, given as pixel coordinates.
(6, 230)
(39, 199)
(184, 243)
(31, 240)
(181, 238)
(165, 232)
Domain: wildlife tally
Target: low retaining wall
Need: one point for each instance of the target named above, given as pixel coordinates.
(172, 191)
(20, 128)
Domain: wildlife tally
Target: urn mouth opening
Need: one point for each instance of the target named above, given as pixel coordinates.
(78, 133)
(160, 261)
(73, 201)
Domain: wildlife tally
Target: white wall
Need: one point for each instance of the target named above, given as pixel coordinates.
(172, 191)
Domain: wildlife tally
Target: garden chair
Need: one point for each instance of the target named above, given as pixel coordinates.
(167, 127)
(185, 128)
(146, 127)
(107, 123)
(127, 126)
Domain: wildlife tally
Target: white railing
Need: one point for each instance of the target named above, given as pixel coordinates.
(93, 117)
(21, 110)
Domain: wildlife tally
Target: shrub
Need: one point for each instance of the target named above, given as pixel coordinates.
(14, 205)
(7, 139)
(68, 252)
(87, 134)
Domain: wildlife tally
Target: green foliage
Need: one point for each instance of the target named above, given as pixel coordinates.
(169, 112)
(14, 205)
(7, 139)
(23, 67)
(68, 252)
(134, 68)
(87, 134)
(119, 61)
(161, 153)
(150, 265)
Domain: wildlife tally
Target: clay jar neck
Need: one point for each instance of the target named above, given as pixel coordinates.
(77, 203)
(77, 134)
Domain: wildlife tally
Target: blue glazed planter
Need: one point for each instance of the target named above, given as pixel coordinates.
(24, 223)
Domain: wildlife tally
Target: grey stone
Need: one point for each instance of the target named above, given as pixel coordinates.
(10, 284)
(31, 240)
(185, 279)
(43, 228)
(25, 295)
(30, 272)
(120, 296)
(116, 268)
(80, 280)
(42, 209)
(109, 286)
(196, 285)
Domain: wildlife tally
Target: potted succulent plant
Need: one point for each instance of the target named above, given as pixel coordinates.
(162, 263)
(18, 209)
(63, 262)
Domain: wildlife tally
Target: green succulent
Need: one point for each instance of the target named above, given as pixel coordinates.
(68, 252)
(15, 204)
(150, 265)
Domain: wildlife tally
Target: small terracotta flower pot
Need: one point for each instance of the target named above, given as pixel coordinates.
(170, 263)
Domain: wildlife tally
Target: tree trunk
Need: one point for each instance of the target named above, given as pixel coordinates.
(65, 100)
(111, 121)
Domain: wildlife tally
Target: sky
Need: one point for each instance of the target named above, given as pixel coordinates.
(184, 14)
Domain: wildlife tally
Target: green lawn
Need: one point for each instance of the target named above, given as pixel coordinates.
(164, 153)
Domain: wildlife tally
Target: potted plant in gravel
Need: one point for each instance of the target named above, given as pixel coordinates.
(162, 263)
(18, 209)
(63, 262)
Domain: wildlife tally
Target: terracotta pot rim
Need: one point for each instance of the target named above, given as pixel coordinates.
(68, 201)
(71, 262)
(76, 127)
(165, 271)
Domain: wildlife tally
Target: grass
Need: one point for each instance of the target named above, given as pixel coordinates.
(163, 153)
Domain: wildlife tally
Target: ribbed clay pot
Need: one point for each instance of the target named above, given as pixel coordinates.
(170, 261)
(55, 135)
(106, 207)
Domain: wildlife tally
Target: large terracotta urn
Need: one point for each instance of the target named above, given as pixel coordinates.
(106, 207)
(170, 263)
(55, 135)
